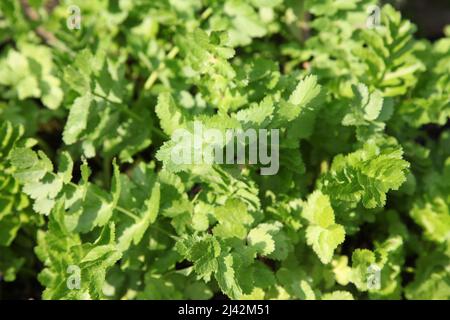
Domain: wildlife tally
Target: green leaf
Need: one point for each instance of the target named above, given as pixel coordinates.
(78, 117)
(233, 220)
(269, 240)
(301, 100)
(338, 295)
(136, 231)
(362, 259)
(203, 252)
(226, 277)
(367, 174)
(323, 234)
(169, 114)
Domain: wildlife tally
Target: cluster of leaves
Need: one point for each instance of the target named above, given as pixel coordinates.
(364, 177)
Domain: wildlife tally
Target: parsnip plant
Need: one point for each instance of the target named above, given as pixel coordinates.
(93, 204)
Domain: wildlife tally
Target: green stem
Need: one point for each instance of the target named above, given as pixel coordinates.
(165, 232)
(155, 74)
(152, 79)
(122, 107)
(205, 15)
(135, 217)
(127, 212)
(172, 54)
(160, 133)
(118, 208)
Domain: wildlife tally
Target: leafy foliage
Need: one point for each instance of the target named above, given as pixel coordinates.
(87, 123)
